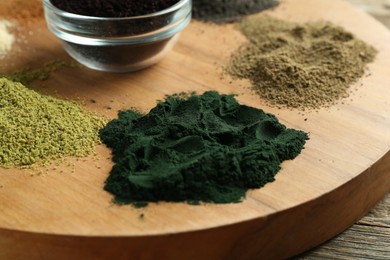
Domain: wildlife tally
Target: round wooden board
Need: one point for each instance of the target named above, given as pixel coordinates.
(342, 172)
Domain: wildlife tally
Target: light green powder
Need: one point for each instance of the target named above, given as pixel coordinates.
(36, 128)
(27, 76)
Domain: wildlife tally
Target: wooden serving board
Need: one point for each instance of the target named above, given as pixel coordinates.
(342, 172)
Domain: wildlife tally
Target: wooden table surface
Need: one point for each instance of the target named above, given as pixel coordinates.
(369, 238)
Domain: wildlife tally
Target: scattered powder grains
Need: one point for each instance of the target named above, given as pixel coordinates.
(196, 148)
(228, 10)
(300, 66)
(35, 128)
(26, 76)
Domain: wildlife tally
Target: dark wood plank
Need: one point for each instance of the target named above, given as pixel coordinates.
(379, 216)
(358, 242)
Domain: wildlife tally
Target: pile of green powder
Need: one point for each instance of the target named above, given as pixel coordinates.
(300, 66)
(196, 148)
(36, 128)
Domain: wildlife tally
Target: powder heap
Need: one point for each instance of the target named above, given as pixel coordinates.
(36, 128)
(113, 8)
(300, 66)
(196, 148)
(228, 10)
(6, 38)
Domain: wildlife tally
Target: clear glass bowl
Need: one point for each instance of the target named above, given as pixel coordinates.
(118, 44)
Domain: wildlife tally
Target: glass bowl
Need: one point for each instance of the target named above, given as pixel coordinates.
(122, 44)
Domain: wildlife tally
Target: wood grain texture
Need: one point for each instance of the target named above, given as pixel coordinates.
(65, 212)
(358, 242)
(369, 238)
(379, 216)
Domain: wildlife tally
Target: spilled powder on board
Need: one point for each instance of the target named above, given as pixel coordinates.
(27, 76)
(301, 66)
(196, 148)
(36, 128)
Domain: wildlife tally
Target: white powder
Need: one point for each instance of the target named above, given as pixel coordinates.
(6, 38)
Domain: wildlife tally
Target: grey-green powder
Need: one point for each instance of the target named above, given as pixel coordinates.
(300, 66)
(36, 128)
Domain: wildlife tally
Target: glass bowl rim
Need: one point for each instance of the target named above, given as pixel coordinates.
(51, 7)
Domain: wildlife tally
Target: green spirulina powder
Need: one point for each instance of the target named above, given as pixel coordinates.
(308, 65)
(35, 128)
(196, 148)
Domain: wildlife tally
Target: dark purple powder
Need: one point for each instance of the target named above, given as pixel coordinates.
(113, 8)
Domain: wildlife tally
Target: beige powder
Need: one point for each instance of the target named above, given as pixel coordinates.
(6, 38)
